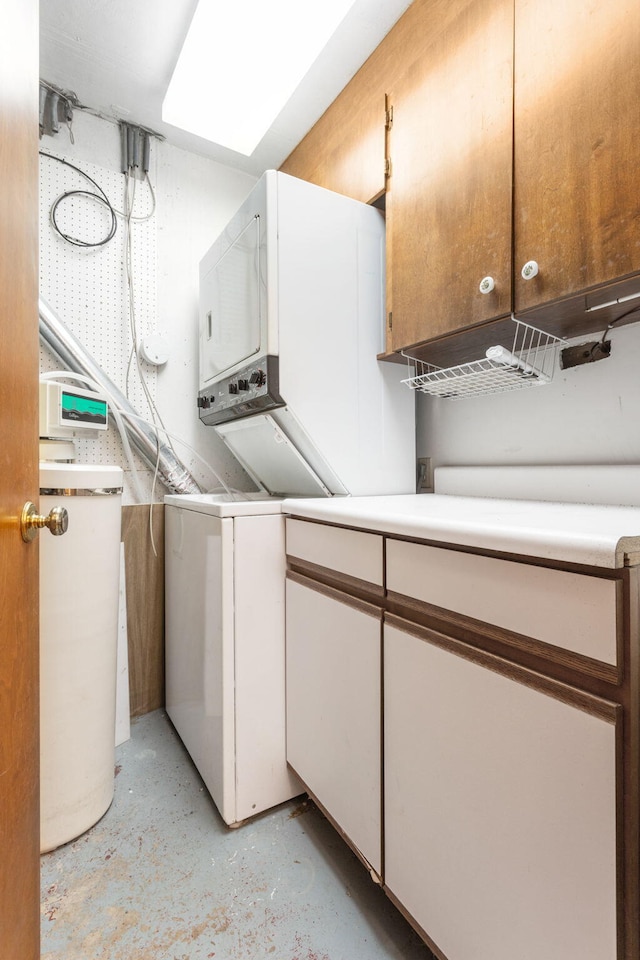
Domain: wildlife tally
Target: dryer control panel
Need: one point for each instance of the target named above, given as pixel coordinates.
(252, 389)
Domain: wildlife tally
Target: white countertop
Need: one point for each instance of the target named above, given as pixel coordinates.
(591, 534)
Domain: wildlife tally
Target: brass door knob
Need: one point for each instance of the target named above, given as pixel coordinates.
(57, 520)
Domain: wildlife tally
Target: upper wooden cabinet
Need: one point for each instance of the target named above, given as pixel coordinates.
(577, 169)
(345, 150)
(449, 196)
(514, 139)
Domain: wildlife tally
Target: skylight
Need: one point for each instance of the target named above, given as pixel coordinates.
(241, 62)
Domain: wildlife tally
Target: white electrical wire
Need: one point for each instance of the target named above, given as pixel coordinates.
(146, 216)
(130, 195)
(231, 492)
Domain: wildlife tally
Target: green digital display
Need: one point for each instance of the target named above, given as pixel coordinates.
(80, 409)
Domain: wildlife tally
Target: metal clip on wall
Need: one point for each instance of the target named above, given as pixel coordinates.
(56, 107)
(136, 149)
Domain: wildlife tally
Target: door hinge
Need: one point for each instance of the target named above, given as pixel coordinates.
(387, 167)
(390, 320)
(388, 118)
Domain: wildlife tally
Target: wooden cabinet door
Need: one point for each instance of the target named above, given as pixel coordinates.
(500, 805)
(449, 195)
(345, 150)
(333, 709)
(577, 175)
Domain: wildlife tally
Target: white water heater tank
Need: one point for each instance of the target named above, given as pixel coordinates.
(79, 592)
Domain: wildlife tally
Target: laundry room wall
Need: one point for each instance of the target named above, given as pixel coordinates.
(587, 414)
(87, 287)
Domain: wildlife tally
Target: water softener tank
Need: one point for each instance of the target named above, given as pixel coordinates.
(79, 591)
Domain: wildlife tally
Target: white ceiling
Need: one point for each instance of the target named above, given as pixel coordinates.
(117, 56)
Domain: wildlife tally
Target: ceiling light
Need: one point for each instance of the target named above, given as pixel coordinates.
(240, 63)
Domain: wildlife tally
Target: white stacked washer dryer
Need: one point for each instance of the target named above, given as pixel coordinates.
(292, 319)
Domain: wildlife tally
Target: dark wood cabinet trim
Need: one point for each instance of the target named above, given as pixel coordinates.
(335, 594)
(563, 664)
(587, 702)
(361, 589)
(629, 776)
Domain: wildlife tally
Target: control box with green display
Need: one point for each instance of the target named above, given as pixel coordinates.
(70, 411)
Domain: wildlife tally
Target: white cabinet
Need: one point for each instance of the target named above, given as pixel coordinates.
(333, 709)
(559, 608)
(500, 805)
(509, 706)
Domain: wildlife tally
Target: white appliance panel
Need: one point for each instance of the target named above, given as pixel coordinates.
(237, 289)
(262, 777)
(273, 449)
(325, 296)
(225, 652)
(231, 290)
(199, 646)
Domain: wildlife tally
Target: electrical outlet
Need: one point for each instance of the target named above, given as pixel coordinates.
(424, 475)
(585, 353)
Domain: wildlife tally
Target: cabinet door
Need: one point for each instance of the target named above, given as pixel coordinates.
(576, 114)
(449, 196)
(500, 807)
(345, 150)
(333, 709)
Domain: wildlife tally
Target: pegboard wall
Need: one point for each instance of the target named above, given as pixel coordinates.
(88, 287)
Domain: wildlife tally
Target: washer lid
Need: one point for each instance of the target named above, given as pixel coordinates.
(221, 505)
(270, 458)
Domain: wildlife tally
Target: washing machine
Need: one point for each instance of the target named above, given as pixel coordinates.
(225, 654)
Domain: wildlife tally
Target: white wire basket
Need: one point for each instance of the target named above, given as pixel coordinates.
(530, 362)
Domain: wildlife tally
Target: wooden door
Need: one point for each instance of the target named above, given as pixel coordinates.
(19, 757)
(576, 118)
(449, 195)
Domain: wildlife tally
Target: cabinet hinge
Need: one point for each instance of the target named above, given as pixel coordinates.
(390, 320)
(387, 167)
(388, 118)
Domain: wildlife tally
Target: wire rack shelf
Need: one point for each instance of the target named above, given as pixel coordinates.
(530, 362)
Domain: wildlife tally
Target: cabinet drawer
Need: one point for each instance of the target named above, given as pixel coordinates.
(572, 611)
(349, 552)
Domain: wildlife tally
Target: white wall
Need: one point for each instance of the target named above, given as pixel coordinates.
(195, 199)
(588, 414)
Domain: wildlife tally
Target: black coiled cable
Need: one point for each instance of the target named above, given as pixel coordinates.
(100, 197)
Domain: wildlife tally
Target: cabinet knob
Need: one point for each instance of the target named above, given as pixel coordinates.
(487, 284)
(530, 270)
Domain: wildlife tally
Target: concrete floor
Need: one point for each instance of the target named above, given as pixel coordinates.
(161, 877)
